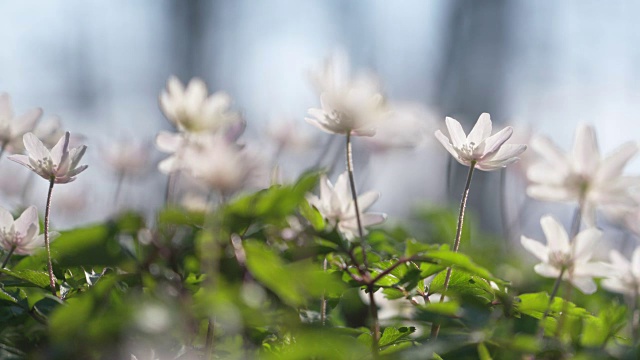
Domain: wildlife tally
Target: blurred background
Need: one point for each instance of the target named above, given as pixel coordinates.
(541, 66)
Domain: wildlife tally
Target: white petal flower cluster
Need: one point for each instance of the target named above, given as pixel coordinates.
(583, 175)
(348, 105)
(60, 164)
(487, 152)
(624, 275)
(560, 254)
(193, 110)
(336, 206)
(12, 127)
(21, 234)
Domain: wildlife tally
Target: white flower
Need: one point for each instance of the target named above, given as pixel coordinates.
(624, 276)
(21, 234)
(287, 135)
(489, 152)
(348, 106)
(222, 166)
(409, 125)
(561, 254)
(192, 110)
(582, 175)
(60, 164)
(127, 158)
(12, 126)
(336, 206)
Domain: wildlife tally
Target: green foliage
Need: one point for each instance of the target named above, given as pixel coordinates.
(265, 276)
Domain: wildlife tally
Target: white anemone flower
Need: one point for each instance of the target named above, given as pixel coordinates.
(11, 126)
(624, 276)
(127, 158)
(222, 166)
(562, 255)
(583, 175)
(193, 110)
(336, 205)
(22, 234)
(488, 152)
(348, 105)
(60, 164)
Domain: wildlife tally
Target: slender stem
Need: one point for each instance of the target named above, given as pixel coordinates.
(354, 196)
(435, 328)
(118, 189)
(209, 343)
(6, 260)
(504, 211)
(3, 148)
(391, 268)
(52, 278)
(375, 327)
(575, 228)
(323, 304)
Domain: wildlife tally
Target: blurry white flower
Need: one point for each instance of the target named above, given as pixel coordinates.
(222, 166)
(489, 152)
(192, 110)
(60, 164)
(287, 135)
(21, 234)
(127, 158)
(408, 126)
(196, 203)
(336, 206)
(11, 126)
(348, 105)
(561, 254)
(582, 175)
(624, 276)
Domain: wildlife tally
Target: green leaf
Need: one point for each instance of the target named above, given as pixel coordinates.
(535, 305)
(462, 262)
(31, 277)
(4, 296)
(294, 282)
(483, 352)
(180, 216)
(392, 335)
(463, 284)
(449, 308)
(312, 215)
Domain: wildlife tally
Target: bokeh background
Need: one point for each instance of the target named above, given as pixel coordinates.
(542, 66)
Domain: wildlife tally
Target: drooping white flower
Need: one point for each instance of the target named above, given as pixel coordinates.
(348, 105)
(624, 275)
(21, 234)
(336, 206)
(574, 257)
(60, 164)
(193, 110)
(222, 166)
(127, 158)
(489, 152)
(11, 126)
(583, 175)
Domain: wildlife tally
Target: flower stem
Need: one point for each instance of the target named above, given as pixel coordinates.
(209, 345)
(116, 196)
(6, 260)
(575, 228)
(375, 326)
(323, 300)
(52, 278)
(354, 196)
(3, 148)
(435, 328)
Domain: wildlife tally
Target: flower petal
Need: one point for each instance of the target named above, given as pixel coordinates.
(557, 238)
(584, 284)
(481, 130)
(6, 219)
(586, 155)
(458, 137)
(493, 143)
(34, 147)
(28, 218)
(612, 166)
(536, 248)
